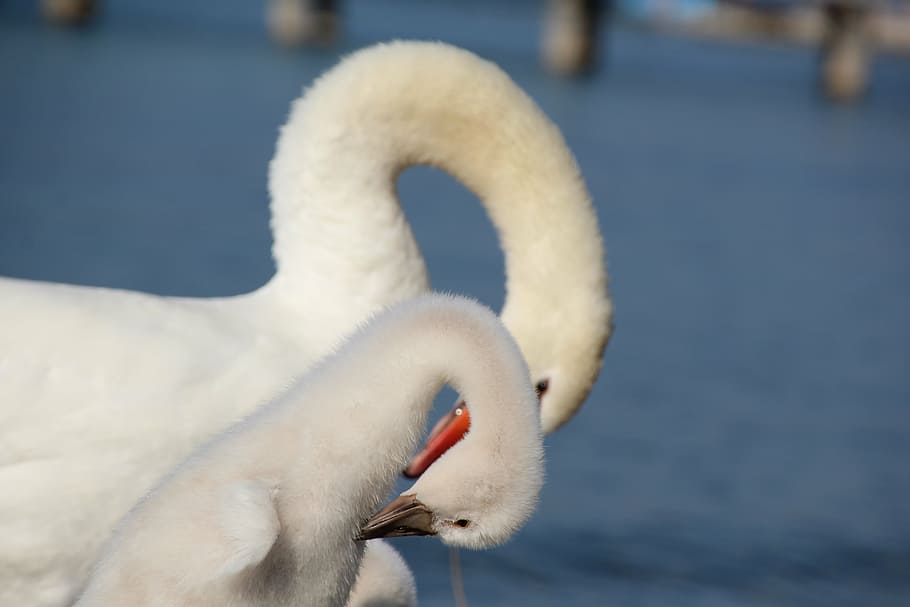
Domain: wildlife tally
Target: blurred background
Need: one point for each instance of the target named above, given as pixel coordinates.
(748, 442)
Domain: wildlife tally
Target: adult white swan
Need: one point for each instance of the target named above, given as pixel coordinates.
(267, 514)
(102, 390)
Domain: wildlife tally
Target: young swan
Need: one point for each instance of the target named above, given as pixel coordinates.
(270, 513)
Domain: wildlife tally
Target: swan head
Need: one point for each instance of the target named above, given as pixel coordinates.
(466, 505)
(564, 352)
(479, 493)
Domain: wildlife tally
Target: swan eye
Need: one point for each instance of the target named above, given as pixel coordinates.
(462, 522)
(541, 387)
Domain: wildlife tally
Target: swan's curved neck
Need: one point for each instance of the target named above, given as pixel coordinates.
(339, 230)
(380, 388)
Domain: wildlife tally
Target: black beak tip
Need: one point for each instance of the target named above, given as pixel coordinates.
(403, 516)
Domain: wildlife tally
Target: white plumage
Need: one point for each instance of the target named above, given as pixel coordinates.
(267, 514)
(384, 579)
(103, 390)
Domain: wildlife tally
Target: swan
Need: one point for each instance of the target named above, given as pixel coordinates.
(268, 512)
(103, 390)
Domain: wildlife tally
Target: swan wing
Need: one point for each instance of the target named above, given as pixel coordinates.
(250, 523)
(101, 392)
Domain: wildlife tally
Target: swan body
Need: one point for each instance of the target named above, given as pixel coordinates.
(267, 513)
(103, 390)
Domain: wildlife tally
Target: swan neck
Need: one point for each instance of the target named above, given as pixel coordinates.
(339, 229)
(369, 403)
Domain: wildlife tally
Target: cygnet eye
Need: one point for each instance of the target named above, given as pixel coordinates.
(541, 387)
(462, 522)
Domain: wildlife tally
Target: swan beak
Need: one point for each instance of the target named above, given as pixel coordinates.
(448, 431)
(405, 515)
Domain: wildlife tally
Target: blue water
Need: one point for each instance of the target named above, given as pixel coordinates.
(749, 440)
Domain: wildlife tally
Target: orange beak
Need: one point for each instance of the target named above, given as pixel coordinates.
(448, 431)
